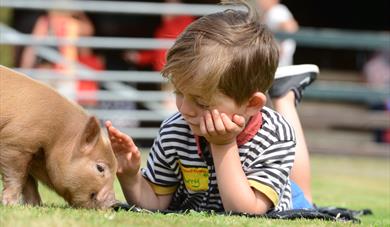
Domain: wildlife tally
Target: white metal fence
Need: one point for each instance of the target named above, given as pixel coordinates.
(152, 100)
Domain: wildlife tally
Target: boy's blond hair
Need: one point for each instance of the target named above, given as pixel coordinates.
(230, 52)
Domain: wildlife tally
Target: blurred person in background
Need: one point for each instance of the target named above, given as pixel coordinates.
(70, 25)
(278, 18)
(376, 72)
(123, 25)
(170, 27)
(23, 20)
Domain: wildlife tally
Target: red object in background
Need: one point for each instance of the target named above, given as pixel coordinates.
(93, 62)
(386, 136)
(171, 27)
(386, 132)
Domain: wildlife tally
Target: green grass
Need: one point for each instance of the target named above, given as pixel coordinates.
(355, 183)
(6, 51)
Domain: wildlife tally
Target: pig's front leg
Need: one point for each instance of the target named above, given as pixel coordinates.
(30, 192)
(14, 167)
(12, 192)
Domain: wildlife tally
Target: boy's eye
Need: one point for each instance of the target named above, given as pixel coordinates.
(201, 105)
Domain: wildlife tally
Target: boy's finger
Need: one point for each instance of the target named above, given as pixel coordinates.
(129, 155)
(218, 124)
(209, 123)
(112, 130)
(108, 124)
(130, 141)
(228, 124)
(239, 120)
(137, 154)
(116, 132)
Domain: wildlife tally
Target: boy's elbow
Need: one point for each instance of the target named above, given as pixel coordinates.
(261, 204)
(260, 207)
(164, 201)
(257, 209)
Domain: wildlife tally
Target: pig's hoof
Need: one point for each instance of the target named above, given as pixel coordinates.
(10, 201)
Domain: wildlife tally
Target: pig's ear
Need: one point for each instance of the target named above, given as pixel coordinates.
(90, 135)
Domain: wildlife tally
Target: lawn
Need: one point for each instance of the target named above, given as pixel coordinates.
(351, 182)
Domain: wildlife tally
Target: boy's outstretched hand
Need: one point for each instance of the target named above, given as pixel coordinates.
(219, 129)
(127, 153)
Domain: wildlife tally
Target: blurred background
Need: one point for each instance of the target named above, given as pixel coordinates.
(106, 55)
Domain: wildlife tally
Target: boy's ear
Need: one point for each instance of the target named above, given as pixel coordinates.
(255, 103)
(90, 135)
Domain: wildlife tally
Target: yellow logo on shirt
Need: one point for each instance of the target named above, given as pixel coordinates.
(195, 179)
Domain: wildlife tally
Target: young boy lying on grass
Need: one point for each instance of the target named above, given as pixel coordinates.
(223, 150)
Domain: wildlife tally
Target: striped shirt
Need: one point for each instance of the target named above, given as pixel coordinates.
(175, 165)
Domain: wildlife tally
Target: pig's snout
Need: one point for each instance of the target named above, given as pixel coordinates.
(106, 198)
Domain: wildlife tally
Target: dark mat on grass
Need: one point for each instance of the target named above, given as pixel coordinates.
(322, 213)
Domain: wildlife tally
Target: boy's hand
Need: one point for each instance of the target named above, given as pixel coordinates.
(219, 129)
(127, 154)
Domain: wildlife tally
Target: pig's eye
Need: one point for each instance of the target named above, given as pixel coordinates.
(92, 195)
(100, 168)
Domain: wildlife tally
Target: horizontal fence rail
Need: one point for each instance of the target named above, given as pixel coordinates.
(336, 38)
(336, 91)
(312, 37)
(146, 8)
(108, 75)
(9, 37)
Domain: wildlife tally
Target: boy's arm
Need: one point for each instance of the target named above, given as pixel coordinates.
(235, 190)
(135, 188)
(138, 191)
(233, 185)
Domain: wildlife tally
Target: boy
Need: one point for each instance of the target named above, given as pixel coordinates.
(223, 150)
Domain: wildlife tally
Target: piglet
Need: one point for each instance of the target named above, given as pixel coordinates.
(46, 137)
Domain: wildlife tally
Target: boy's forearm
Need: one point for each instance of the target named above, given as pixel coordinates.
(137, 191)
(234, 188)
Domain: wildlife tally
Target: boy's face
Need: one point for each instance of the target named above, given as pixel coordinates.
(193, 106)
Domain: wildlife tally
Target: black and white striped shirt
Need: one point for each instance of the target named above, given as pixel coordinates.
(175, 165)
